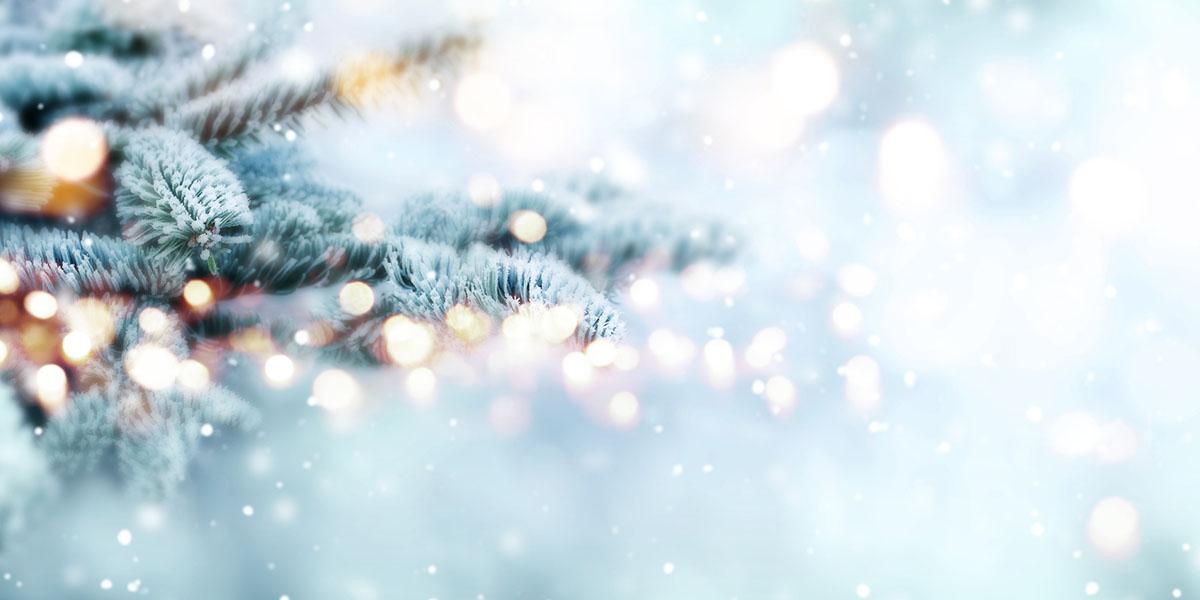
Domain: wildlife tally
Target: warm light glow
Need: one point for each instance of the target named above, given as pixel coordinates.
(805, 77)
(1113, 527)
(781, 395)
(468, 324)
(356, 298)
(94, 318)
(484, 190)
(623, 410)
(50, 383)
(863, 377)
(336, 390)
(408, 343)
(368, 228)
(197, 293)
(41, 305)
(846, 318)
(517, 327)
(193, 376)
(643, 294)
(3, 352)
(509, 417)
(856, 280)
(601, 353)
(74, 149)
(279, 370)
(76, 346)
(1108, 195)
(765, 347)
(152, 366)
(558, 323)
(152, 320)
(912, 167)
(627, 358)
(718, 360)
(527, 226)
(673, 352)
(483, 101)
(577, 370)
(9, 280)
(421, 384)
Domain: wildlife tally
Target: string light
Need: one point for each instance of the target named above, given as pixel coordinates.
(198, 294)
(484, 190)
(1113, 527)
(50, 383)
(623, 410)
(781, 395)
(76, 346)
(421, 384)
(643, 294)
(912, 167)
(193, 375)
(73, 149)
(805, 77)
(152, 366)
(765, 347)
(279, 370)
(152, 320)
(718, 359)
(468, 324)
(527, 226)
(601, 353)
(482, 101)
(41, 305)
(93, 317)
(862, 383)
(336, 391)
(559, 323)
(368, 228)
(577, 370)
(356, 298)
(9, 279)
(408, 343)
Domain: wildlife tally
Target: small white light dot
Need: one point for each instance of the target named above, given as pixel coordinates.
(124, 537)
(862, 590)
(208, 51)
(248, 510)
(206, 430)
(668, 568)
(73, 59)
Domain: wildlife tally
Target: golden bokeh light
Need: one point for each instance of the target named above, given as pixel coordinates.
(601, 353)
(9, 279)
(74, 149)
(408, 343)
(279, 370)
(356, 298)
(624, 410)
(198, 294)
(193, 376)
(152, 366)
(527, 226)
(336, 391)
(152, 320)
(93, 317)
(76, 347)
(421, 385)
(559, 323)
(368, 228)
(41, 305)
(468, 324)
(50, 385)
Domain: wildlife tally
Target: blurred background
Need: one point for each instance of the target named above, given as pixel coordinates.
(957, 359)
